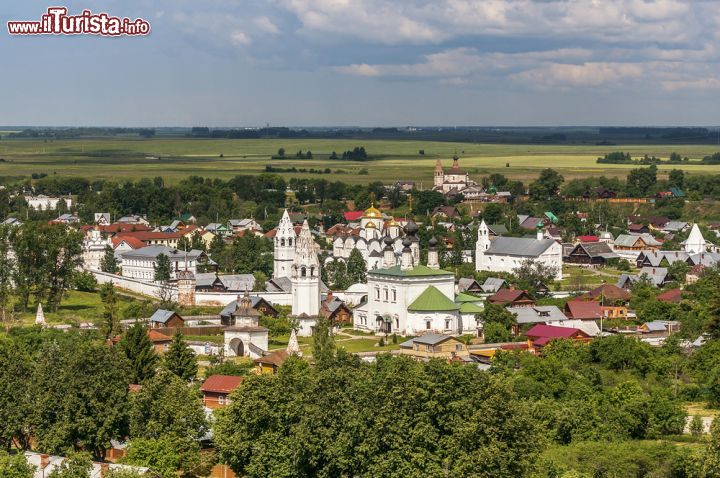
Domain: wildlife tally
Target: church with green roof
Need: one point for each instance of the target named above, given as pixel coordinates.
(409, 298)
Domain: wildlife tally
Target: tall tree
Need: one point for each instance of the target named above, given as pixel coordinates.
(109, 262)
(323, 342)
(547, 185)
(356, 267)
(111, 319)
(166, 405)
(180, 359)
(163, 268)
(15, 403)
(138, 349)
(79, 391)
(7, 270)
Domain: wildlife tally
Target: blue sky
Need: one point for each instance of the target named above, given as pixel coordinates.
(370, 63)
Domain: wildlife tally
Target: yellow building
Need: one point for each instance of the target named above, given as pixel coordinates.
(435, 346)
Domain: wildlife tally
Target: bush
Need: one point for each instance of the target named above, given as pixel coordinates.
(84, 281)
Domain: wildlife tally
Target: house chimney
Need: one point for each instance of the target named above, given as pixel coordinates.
(329, 296)
(44, 461)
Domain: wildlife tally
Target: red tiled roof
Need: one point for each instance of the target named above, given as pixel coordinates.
(221, 383)
(608, 291)
(672, 295)
(122, 227)
(188, 229)
(156, 336)
(552, 332)
(583, 309)
(352, 215)
(131, 241)
(588, 238)
(504, 296)
(150, 235)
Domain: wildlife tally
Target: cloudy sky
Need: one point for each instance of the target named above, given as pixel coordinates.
(370, 62)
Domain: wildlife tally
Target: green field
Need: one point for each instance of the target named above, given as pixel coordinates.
(174, 159)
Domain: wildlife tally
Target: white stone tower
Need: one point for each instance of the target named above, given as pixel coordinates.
(284, 247)
(482, 244)
(439, 177)
(305, 275)
(695, 243)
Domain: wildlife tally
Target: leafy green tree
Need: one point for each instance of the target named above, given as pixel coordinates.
(547, 185)
(110, 320)
(138, 349)
(641, 182)
(341, 421)
(167, 455)
(497, 314)
(163, 268)
(166, 406)
(356, 267)
(180, 358)
(109, 262)
(711, 457)
(534, 276)
(678, 270)
(696, 426)
(323, 342)
(15, 399)
(124, 473)
(15, 466)
(494, 332)
(7, 269)
(78, 391)
(76, 465)
(84, 281)
(260, 281)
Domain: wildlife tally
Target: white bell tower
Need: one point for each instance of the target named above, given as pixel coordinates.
(305, 275)
(482, 244)
(283, 247)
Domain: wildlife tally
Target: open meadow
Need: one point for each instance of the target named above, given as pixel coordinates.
(176, 158)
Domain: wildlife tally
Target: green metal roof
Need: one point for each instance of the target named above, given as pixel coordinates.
(432, 300)
(465, 297)
(417, 271)
(470, 308)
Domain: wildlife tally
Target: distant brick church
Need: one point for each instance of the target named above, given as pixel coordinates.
(453, 180)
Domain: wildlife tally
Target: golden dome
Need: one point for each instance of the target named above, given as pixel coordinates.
(370, 225)
(392, 223)
(371, 212)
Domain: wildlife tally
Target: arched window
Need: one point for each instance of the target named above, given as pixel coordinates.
(303, 272)
(312, 271)
(282, 242)
(290, 242)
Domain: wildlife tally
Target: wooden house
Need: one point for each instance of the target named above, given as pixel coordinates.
(590, 253)
(166, 318)
(431, 346)
(512, 298)
(217, 388)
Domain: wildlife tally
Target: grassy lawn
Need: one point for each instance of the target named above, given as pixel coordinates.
(174, 159)
(76, 307)
(366, 345)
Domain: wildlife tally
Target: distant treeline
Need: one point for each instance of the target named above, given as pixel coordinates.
(618, 157)
(68, 133)
(467, 134)
(665, 133)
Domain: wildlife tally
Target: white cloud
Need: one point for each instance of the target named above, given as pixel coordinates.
(266, 25)
(562, 75)
(240, 38)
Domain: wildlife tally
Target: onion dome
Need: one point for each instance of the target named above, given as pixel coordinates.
(370, 225)
(432, 242)
(372, 212)
(411, 228)
(407, 242)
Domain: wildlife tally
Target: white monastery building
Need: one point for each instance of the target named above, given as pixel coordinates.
(505, 254)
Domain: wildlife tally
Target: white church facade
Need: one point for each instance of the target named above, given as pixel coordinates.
(408, 298)
(505, 254)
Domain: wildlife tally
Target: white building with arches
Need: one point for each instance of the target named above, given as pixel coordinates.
(410, 298)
